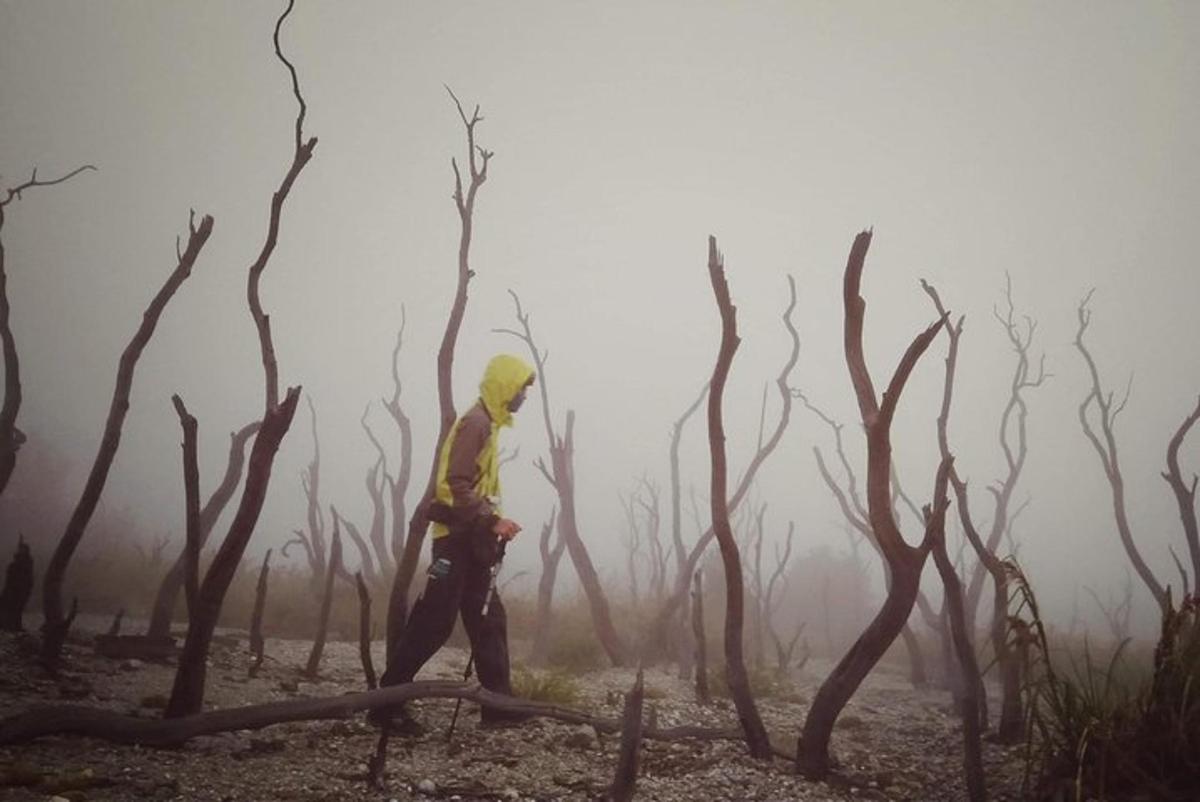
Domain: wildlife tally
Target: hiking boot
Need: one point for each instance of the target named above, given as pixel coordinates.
(397, 721)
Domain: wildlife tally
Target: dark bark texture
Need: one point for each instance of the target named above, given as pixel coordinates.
(54, 630)
(905, 562)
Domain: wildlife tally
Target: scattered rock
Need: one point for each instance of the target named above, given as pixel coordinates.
(427, 787)
(132, 664)
(583, 738)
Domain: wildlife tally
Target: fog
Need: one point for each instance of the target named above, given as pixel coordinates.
(1052, 142)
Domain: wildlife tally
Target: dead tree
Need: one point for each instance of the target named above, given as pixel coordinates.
(658, 555)
(666, 618)
(187, 693)
(964, 649)
(313, 540)
(735, 666)
(12, 437)
(257, 642)
(191, 487)
(633, 548)
(550, 560)
(464, 200)
(625, 778)
(685, 648)
(770, 602)
(1185, 497)
(698, 637)
(168, 590)
(905, 562)
(377, 479)
(855, 513)
(335, 563)
(398, 485)
(758, 588)
(18, 585)
(1011, 728)
(54, 630)
(1108, 410)
(1116, 613)
(366, 560)
(561, 477)
(365, 631)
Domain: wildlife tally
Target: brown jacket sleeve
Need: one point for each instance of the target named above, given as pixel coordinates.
(462, 471)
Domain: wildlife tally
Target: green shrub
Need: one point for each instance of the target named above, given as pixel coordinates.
(552, 686)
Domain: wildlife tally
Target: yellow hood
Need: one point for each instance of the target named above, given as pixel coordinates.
(502, 380)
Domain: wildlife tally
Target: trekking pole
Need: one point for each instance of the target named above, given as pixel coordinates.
(487, 603)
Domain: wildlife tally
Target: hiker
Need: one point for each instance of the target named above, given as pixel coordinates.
(467, 529)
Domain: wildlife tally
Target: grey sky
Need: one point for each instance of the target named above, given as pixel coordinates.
(1055, 141)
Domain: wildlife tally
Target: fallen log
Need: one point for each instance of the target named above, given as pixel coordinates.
(89, 722)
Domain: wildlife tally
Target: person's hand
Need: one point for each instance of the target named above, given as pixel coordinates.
(506, 529)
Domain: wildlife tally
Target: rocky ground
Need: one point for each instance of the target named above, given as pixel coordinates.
(892, 743)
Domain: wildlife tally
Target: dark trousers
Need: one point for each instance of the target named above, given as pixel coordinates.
(461, 587)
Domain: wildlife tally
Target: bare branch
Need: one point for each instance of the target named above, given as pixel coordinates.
(292, 71)
(15, 192)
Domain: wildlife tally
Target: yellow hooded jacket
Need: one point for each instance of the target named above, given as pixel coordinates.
(468, 477)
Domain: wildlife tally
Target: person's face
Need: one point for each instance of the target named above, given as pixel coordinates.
(518, 399)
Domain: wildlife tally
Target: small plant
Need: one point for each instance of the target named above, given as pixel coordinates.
(552, 686)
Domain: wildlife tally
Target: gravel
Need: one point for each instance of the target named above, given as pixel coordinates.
(892, 742)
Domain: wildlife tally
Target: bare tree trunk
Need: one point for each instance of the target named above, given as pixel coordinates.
(18, 586)
(545, 600)
(312, 540)
(685, 648)
(257, 642)
(360, 543)
(657, 631)
(406, 567)
(1107, 452)
(917, 674)
(1185, 495)
(187, 693)
(856, 515)
(561, 476)
(973, 686)
(364, 631)
(398, 487)
(168, 591)
(54, 630)
(758, 590)
(11, 437)
(191, 486)
(625, 778)
(735, 666)
(377, 479)
(701, 658)
(904, 561)
(770, 602)
(335, 562)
